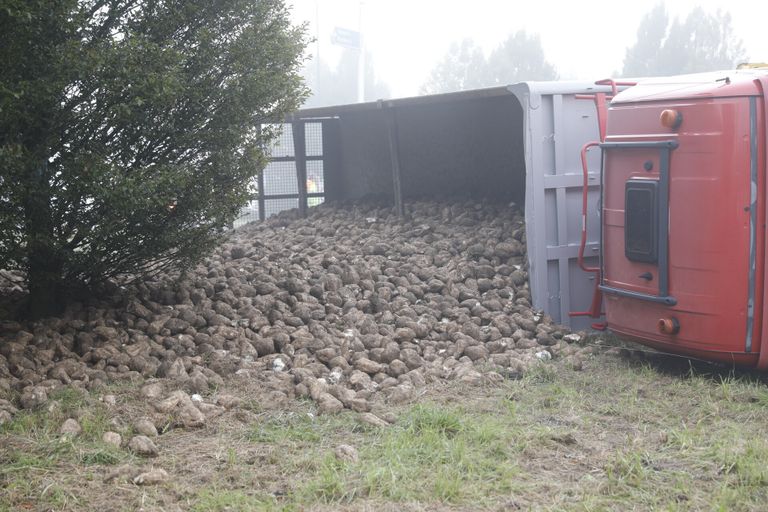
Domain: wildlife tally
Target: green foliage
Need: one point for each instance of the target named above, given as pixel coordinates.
(702, 42)
(337, 86)
(521, 57)
(462, 68)
(130, 130)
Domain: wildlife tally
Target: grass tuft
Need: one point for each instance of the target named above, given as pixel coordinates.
(433, 454)
(227, 500)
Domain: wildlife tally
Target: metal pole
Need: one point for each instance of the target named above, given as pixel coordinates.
(394, 153)
(260, 181)
(361, 59)
(317, 57)
(262, 203)
(300, 150)
(333, 181)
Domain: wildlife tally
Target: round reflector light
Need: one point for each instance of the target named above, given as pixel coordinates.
(668, 325)
(671, 118)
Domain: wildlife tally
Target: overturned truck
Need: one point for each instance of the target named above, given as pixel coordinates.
(646, 203)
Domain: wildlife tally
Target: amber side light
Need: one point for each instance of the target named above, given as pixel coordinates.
(671, 118)
(669, 326)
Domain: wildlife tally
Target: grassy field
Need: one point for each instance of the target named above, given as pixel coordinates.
(626, 433)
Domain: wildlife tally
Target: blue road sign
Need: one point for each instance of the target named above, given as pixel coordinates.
(346, 38)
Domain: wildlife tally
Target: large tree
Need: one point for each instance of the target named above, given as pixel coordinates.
(130, 128)
(338, 86)
(643, 57)
(520, 57)
(463, 67)
(702, 42)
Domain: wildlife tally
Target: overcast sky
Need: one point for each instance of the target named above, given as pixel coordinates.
(408, 37)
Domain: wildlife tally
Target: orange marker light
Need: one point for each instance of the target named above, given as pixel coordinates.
(671, 118)
(669, 326)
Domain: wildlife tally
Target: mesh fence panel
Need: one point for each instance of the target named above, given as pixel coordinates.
(315, 173)
(315, 201)
(249, 213)
(283, 144)
(280, 178)
(314, 139)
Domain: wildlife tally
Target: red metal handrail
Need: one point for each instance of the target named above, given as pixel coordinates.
(601, 100)
(584, 195)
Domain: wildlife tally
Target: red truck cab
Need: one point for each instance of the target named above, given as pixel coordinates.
(683, 215)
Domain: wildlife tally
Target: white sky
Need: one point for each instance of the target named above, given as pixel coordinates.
(585, 41)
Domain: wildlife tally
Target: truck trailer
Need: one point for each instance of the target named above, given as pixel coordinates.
(645, 205)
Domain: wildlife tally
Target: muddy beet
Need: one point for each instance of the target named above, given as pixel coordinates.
(347, 306)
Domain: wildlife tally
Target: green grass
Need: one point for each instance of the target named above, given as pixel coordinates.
(300, 428)
(683, 441)
(291, 427)
(628, 433)
(434, 453)
(447, 454)
(34, 456)
(225, 500)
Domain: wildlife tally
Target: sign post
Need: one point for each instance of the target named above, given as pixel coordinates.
(353, 40)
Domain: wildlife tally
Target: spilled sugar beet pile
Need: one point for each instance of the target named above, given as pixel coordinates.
(350, 306)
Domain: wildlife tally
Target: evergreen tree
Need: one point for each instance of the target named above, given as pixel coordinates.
(519, 58)
(463, 67)
(701, 42)
(130, 129)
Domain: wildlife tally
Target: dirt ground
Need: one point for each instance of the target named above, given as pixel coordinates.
(627, 432)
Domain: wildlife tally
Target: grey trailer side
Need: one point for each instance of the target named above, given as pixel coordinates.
(556, 126)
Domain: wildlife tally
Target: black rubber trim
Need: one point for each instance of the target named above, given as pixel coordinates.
(752, 222)
(667, 300)
(665, 148)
